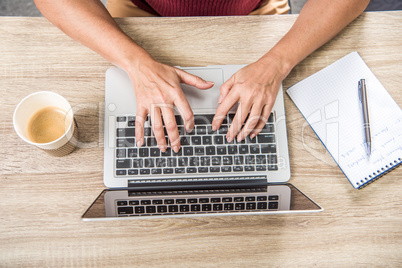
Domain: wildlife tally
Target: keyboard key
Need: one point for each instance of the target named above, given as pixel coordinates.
(210, 150)
(195, 208)
(133, 172)
(156, 171)
(226, 169)
(206, 207)
(205, 161)
(125, 210)
(191, 170)
(227, 199)
(260, 160)
(157, 201)
(223, 130)
(238, 160)
(272, 159)
(261, 198)
(260, 168)
(154, 152)
(255, 149)
(214, 169)
(169, 201)
(194, 161)
(185, 141)
(218, 139)
(216, 160)
(128, 142)
(179, 153)
(179, 170)
(149, 163)
(203, 170)
(121, 119)
(145, 202)
(268, 148)
(232, 149)
(139, 210)
(192, 200)
(184, 208)
(273, 205)
(187, 151)
(239, 206)
(122, 203)
(182, 161)
(147, 131)
(221, 150)
(143, 152)
(262, 205)
(250, 206)
(227, 160)
(207, 140)
(228, 206)
(151, 142)
(131, 123)
(125, 132)
(215, 199)
(266, 138)
(132, 152)
(123, 163)
(138, 163)
(171, 162)
(217, 207)
(162, 209)
(121, 172)
(173, 208)
(145, 171)
(204, 119)
(243, 149)
(120, 153)
(180, 201)
(239, 199)
(248, 168)
(268, 128)
(249, 160)
(272, 167)
(168, 171)
(196, 140)
(250, 198)
(134, 202)
(151, 209)
(201, 130)
(160, 162)
(168, 152)
(273, 197)
(199, 151)
(238, 168)
(204, 200)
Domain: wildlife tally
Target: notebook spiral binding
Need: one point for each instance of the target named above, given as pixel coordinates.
(369, 180)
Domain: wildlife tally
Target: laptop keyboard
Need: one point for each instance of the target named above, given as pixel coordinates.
(203, 151)
(196, 204)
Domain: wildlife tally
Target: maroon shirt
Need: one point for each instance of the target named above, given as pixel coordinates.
(175, 8)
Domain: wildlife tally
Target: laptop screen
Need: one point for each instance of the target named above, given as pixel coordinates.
(131, 204)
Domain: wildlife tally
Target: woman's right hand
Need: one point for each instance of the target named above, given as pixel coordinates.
(157, 90)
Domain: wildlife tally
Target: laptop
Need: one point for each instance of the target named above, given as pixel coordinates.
(208, 176)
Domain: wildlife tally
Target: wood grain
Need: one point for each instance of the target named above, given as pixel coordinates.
(43, 197)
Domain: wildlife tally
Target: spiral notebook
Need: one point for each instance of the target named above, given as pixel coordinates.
(329, 101)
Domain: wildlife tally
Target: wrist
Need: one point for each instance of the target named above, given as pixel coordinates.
(282, 60)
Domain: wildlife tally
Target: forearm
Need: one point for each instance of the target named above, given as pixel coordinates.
(318, 22)
(90, 23)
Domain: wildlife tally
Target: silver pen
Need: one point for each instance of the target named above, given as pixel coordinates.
(366, 121)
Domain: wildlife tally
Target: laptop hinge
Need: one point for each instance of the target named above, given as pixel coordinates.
(197, 183)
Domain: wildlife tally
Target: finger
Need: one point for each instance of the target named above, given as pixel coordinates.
(171, 127)
(237, 123)
(252, 121)
(185, 111)
(193, 80)
(225, 88)
(140, 119)
(266, 112)
(157, 126)
(223, 109)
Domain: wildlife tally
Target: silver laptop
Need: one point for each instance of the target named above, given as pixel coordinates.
(208, 176)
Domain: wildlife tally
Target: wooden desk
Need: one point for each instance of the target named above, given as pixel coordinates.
(43, 198)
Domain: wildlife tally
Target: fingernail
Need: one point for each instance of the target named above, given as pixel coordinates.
(211, 83)
(239, 138)
(229, 139)
(162, 148)
(213, 128)
(139, 143)
(252, 135)
(220, 99)
(176, 148)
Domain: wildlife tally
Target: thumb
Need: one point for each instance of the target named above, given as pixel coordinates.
(225, 88)
(193, 80)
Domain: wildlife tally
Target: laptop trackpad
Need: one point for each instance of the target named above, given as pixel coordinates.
(204, 98)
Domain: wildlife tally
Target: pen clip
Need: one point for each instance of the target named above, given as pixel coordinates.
(360, 90)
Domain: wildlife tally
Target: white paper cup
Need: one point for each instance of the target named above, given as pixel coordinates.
(37, 101)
